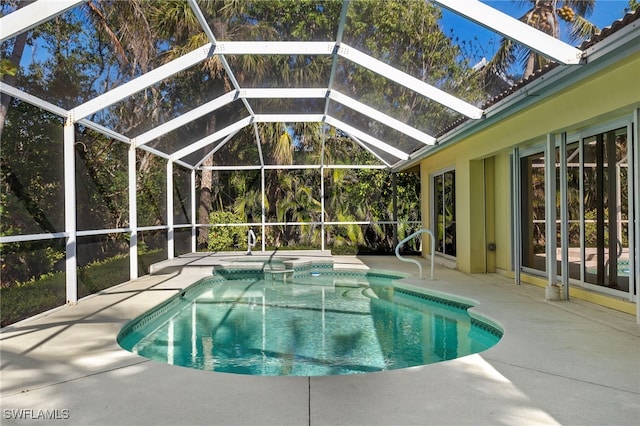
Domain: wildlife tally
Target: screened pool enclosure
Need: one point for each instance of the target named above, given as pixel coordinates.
(138, 131)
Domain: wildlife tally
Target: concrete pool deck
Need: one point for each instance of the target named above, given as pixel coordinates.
(568, 363)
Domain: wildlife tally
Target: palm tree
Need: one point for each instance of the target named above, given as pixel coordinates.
(544, 15)
(176, 20)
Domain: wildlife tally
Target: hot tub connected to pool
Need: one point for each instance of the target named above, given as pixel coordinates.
(278, 318)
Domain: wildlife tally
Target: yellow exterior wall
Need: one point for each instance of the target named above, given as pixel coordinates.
(613, 92)
(502, 212)
(489, 217)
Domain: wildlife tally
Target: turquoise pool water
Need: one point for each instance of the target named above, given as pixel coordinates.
(319, 324)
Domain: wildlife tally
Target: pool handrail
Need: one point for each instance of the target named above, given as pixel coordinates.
(251, 241)
(433, 249)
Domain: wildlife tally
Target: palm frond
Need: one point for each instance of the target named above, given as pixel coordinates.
(503, 59)
(582, 29)
(581, 7)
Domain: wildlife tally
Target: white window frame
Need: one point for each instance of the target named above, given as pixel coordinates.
(432, 212)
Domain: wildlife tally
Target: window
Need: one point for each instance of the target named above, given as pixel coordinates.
(444, 212)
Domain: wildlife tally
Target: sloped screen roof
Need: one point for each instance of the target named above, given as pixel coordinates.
(229, 80)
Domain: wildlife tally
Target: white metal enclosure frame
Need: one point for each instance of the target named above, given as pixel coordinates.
(389, 153)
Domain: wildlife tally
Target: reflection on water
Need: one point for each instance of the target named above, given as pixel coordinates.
(261, 328)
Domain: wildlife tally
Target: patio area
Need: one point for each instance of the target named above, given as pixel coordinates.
(558, 363)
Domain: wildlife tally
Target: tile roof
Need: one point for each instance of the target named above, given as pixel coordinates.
(617, 25)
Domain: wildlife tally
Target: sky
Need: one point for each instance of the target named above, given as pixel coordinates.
(483, 42)
(606, 11)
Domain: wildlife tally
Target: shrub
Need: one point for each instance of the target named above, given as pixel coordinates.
(226, 237)
(38, 295)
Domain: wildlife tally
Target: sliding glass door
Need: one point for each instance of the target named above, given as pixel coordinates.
(606, 209)
(598, 227)
(532, 212)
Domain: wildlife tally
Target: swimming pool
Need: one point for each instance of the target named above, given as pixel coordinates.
(318, 323)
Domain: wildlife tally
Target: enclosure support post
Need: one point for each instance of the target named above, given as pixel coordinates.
(262, 216)
(170, 231)
(552, 291)
(634, 190)
(564, 217)
(394, 187)
(193, 211)
(133, 215)
(516, 215)
(322, 230)
(71, 261)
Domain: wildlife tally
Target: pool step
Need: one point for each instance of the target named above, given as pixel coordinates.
(277, 272)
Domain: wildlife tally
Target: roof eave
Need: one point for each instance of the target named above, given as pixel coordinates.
(618, 45)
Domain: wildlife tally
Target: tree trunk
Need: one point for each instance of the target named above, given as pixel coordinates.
(16, 56)
(207, 191)
(204, 205)
(531, 66)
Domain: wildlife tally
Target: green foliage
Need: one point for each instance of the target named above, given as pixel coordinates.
(31, 298)
(590, 229)
(226, 237)
(102, 182)
(151, 190)
(7, 68)
(103, 44)
(511, 57)
(38, 295)
(31, 171)
(24, 261)
(103, 274)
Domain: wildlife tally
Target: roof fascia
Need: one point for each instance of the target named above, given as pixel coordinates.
(513, 29)
(617, 47)
(621, 43)
(32, 15)
(514, 103)
(558, 79)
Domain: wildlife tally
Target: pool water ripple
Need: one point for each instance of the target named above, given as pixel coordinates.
(361, 324)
